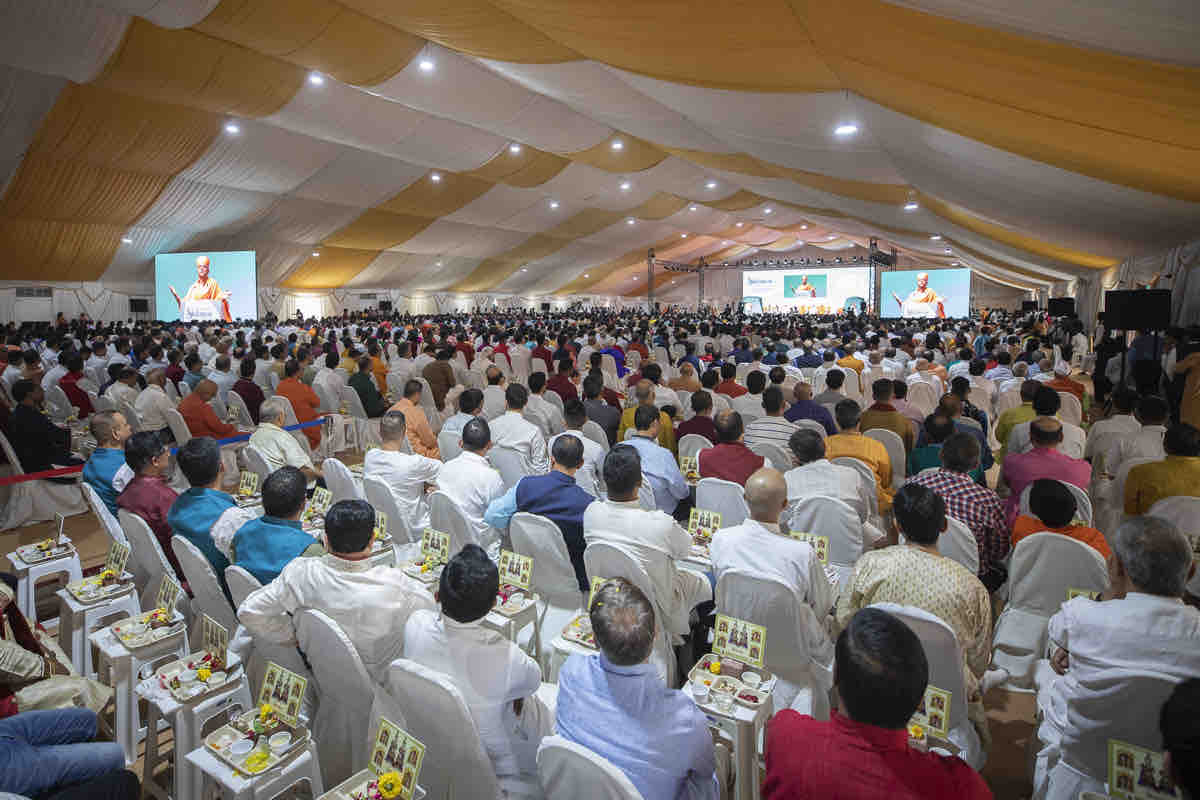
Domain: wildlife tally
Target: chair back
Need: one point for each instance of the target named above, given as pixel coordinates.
(340, 480)
(352, 403)
(1071, 409)
(812, 425)
(690, 445)
(725, 497)
(256, 462)
(447, 517)
(776, 455)
(1184, 513)
(945, 657)
(241, 584)
(567, 769)
(57, 404)
(183, 388)
(537, 364)
(448, 444)
(895, 450)
(237, 405)
(107, 520)
(429, 405)
(273, 380)
(218, 407)
(828, 516)
(381, 499)
(329, 402)
(958, 544)
(592, 430)
(555, 399)
(763, 600)
(646, 497)
(101, 402)
(742, 370)
(1083, 504)
(148, 561)
(553, 573)
(207, 595)
(179, 428)
(1006, 400)
(609, 561)
(455, 764)
(509, 463)
(345, 695)
(923, 396)
(867, 476)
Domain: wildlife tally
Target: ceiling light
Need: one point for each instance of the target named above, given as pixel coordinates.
(514, 148)
(911, 205)
(683, 236)
(948, 251)
(426, 65)
(831, 238)
(672, 281)
(585, 275)
(846, 129)
(740, 224)
(956, 264)
(630, 221)
(635, 277)
(435, 177)
(316, 79)
(766, 211)
(438, 264)
(232, 127)
(523, 269)
(710, 185)
(625, 186)
(617, 145)
(554, 204)
(937, 237)
(316, 253)
(725, 242)
(126, 240)
(803, 227)
(693, 208)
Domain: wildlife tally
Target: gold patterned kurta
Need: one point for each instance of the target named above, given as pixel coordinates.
(23, 673)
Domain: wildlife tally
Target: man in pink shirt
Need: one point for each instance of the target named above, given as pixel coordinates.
(1043, 461)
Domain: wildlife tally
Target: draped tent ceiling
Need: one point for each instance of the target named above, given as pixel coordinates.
(539, 147)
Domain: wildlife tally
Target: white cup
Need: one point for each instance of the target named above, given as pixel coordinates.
(751, 679)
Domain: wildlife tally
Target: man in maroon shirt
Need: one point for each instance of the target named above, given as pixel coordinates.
(702, 423)
(541, 352)
(148, 494)
(69, 383)
(730, 460)
(561, 382)
(862, 753)
(728, 386)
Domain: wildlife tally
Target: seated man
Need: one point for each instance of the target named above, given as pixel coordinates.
(1046, 404)
(106, 470)
(471, 482)
(46, 750)
(37, 442)
(505, 699)
(644, 392)
(343, 584)
(1045, 460)
(592, 468)
(470, 406)
(555, 496)
(916, 574)
(245, 387)
(884, 415)
(730, 459)
(937, 429)
(862, 752)
(773, 428)
(804, 407)
(660, 470)
(850, 443)
(815, 476)
(148, 495)
(615, 704)
(541, 411)
(201, 419)
(1139, 627)
(511, 430)
(265, 545)
(1177, 475)
(1052, 508)
(408, 475)
(304, 400)
(363, 383)
(197, 510)
(758, 547)
(278, 447)
(651, 538)
(701, 424)
(153, 404)
(420, 434)
(1146, 442)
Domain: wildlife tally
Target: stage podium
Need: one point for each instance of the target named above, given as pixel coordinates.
(201, 311)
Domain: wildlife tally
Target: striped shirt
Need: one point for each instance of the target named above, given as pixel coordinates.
(775, 430)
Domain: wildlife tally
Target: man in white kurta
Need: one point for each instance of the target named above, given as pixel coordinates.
(816, 476)
(513, 431)
(1096, 646)
(407, 475)
(500, 683)
(371, 604)
(471, 482)
(652, 539)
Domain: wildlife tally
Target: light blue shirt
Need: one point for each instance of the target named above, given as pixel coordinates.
(657, 736)
(501, 510)
(661, 471)
(224, 382)
(456, 423)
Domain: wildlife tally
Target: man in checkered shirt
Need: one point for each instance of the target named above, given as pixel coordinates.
(978, 507)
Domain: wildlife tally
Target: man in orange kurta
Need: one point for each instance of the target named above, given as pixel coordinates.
(304, 400)
(199, 415)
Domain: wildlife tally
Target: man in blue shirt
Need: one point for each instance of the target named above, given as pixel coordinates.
(617, 706)
(555, 496)
(106, 470)
(266, 544)
(470, 405)
(804, 407)
(197, 510)
(659, 467)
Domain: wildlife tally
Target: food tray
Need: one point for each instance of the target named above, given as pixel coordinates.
(127, 632)
(248, 500)
(197, 690)
(701, 673)
(413, 570)
(579, 631)
(700, 551)
(517, 602)
(355, 787)
(90, 590)
(34, 554)
(219, 741)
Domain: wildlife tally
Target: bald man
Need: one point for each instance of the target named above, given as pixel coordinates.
(760, 548)
(687, 380)
(200, 417)
(1043, 461)
(204, 288)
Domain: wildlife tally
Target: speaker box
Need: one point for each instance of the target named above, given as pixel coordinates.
(1029, 305)
(1137, 310)
(385, 305)
(545, 306)
(1061, 306)
(139, 305)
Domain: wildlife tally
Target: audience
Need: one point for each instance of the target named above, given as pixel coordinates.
(1046, 404)
(804, 407)
(815, 476)
(106, 470)
(512, 431)
(589, 472)
(1177, 475)
(304, 400)
(265, 545)
(45, 751)
(470, 481)
(420, 435)
(37, 442)
(1045, 460)
(1179, 725)
(730, 459)
(148, 495)
(407, 475)
(153, 404)
(599, 410)
(1153, 415)
(660, 470)
(363, 383)
(701, 423)
(199, 415)
(882, 414)
(470, 406)
(279, 448)
(645, 393)
(198, 509)
(773, 428)
(850, 443)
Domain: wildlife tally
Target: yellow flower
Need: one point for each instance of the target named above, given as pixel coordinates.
(204, 673)
(264, 711)
(389, 785)
(915, 731)
(106, 574)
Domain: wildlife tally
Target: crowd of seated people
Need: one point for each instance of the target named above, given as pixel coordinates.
(1006, 438)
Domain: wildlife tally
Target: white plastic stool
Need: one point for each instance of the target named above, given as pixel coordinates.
(29, 574)
(509, 627)
(232, 786)
(188, 721)
(76, 621)
(122, 669)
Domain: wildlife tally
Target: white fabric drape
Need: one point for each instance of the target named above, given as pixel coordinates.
(1174, 269)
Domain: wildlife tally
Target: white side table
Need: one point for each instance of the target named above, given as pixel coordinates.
(742, 724)
(232, 786)
(76, 621)
(29, 574)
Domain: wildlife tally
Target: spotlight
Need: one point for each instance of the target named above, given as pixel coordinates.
(846, 129)
(316, 79)
(514, 148)
(232, 127)
(426, 65)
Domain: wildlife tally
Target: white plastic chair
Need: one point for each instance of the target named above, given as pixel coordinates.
(725, 497)
(775, 455)
(241, 583)
(813, 425)
(447, 517)
(238, 405)
(178, 426)
(828, 516)
(1083, 504)
(256, 462)
(448, 444)
(509, 463)
(1184, 513)
(766, 601)
(1043, 568)
(570, 770)
(149, 558)
(381, 499)
(1007, 400)
(340, 481)
(34, 501)
(553, 576)
(1071, 409)
(945, 657)
(690, 445)
(455, 764)
(592, 430)
(959, 544)
(57, 404)
(895, 450)
(207, 595)
(345, 695)
(922, 396)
